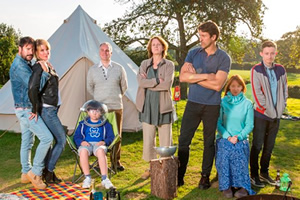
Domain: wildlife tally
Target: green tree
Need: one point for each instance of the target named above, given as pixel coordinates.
(252, 53)
(177, 20)
(288, 49)
(137, 55)
(237, 48)
(8, 48)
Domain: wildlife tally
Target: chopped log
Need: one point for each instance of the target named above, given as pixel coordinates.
(164, 177)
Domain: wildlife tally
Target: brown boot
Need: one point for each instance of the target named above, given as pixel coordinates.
(241, 193)
(24, 178)
(228, 193)
(36, 180)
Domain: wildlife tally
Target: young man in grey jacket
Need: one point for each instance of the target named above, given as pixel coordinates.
(270, 93)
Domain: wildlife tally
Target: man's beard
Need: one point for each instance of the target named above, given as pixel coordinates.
(28, 57)
(205, 47)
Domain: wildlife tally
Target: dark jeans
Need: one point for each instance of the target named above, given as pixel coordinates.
(264, 134)
(49, 115)
(193, 115)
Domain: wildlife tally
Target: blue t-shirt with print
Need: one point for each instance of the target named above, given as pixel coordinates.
(94, 134)
(204, 64)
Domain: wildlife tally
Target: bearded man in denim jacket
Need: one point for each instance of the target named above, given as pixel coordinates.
(31, 124)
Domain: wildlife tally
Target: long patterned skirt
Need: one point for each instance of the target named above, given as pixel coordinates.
(232, 165)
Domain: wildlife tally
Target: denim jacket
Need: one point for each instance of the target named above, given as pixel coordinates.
(19, 73)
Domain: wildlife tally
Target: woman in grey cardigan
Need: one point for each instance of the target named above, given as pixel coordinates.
(154, 100)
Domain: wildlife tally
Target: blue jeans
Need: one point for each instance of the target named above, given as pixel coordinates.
(49, 115)
(29, 129)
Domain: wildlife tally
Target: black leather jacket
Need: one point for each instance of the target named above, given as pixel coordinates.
(48, 94)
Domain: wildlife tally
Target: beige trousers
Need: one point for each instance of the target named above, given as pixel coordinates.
(149, 139)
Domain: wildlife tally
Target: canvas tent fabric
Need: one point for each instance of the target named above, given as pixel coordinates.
(74, 49)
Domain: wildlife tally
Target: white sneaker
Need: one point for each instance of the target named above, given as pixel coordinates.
(87, 182)
(106, 183)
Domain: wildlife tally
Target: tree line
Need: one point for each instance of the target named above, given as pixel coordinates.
(176, 21)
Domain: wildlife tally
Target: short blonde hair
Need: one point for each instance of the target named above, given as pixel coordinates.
(39, 43)
(162, 41)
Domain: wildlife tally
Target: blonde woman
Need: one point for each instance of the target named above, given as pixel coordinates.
(45, 101)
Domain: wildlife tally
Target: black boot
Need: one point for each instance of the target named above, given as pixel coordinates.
(44, 174)
(55, 179)
(204, 182)
(50, 177)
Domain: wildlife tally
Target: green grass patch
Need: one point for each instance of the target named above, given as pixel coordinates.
(293, 106)
(293, 78)
(245, 74)
(285, 157)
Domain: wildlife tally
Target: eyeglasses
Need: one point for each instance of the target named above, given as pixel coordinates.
(94, 111)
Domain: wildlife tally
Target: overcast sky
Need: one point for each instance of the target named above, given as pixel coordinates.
(40, 19)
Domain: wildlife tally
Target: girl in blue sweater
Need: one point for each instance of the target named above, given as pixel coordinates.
(235, 123)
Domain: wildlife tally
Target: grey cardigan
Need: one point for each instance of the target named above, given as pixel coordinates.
(108, 90)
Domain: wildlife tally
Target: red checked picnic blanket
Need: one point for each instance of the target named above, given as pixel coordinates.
(63, 190)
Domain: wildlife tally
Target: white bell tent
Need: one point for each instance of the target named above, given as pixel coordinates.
(74, 49)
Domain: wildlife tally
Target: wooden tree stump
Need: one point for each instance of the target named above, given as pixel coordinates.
(164, 177)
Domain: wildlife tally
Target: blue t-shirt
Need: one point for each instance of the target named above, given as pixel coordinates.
(94, 134)
(273, 83)
(204, 64)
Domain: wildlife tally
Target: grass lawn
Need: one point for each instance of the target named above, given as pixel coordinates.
(293, 79)
(129, 183)
(243, 73)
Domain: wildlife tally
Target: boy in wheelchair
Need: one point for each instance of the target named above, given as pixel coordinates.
(92, 136)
